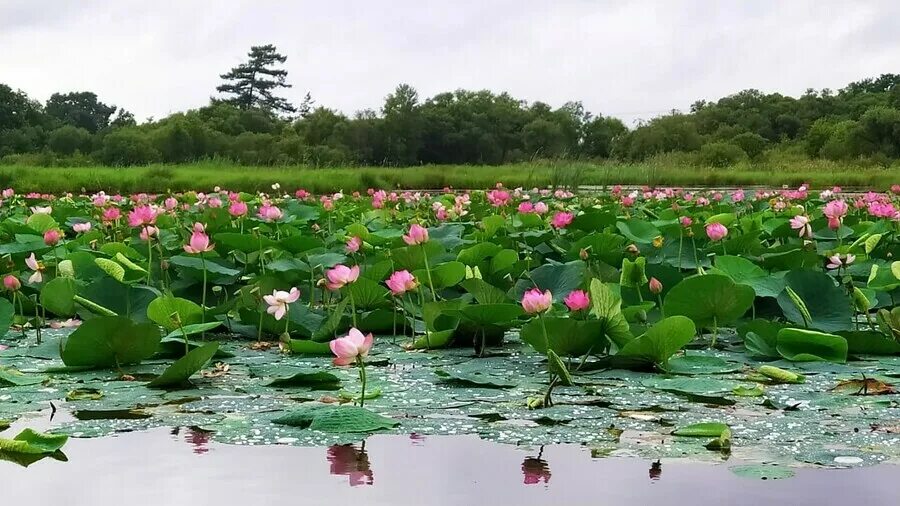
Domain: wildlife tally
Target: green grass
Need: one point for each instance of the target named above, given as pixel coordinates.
(203, 176)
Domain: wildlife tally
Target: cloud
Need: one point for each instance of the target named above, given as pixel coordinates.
(632, 59)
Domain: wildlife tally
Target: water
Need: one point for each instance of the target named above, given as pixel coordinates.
(175, 467)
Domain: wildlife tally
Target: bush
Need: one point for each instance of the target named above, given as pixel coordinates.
(68, 139)
(721, 154)
(752, 144)
(128, 146)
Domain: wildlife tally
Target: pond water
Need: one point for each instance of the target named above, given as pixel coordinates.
(181, 466)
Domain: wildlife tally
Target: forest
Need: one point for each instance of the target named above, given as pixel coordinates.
(247, 123)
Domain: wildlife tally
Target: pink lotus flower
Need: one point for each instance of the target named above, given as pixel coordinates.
(11, 283)
(111, 214)
(655, 286)
(52, 237)
(171, 203)
(301, 194)
(8, 193)
(561, 220)
(737, 196)
(215, 202)
(534, 301)
(716, 231)
(341, 275)
(269, 213)
(237, 209)
(353, 244)
(836, 262)
(279, 300)
(148, 232)
(199, 241)
(541, 208)
(354, 345)
(498, 198)
(686, 221)
(417, 235)
(801, 224)
(526, 207)
(401, 282)
(835, 212)
(577, 300)
(65, 324)
(81, 228)
(141, 216)
(37, 267)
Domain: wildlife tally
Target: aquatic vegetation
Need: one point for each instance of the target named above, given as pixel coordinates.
(521, 315)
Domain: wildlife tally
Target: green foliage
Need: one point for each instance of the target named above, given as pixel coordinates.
(721, 154)
(110, 341)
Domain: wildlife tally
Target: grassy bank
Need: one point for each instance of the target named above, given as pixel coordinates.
(206, 175)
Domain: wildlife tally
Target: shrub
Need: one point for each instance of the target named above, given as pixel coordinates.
(721, 154)
(752, 144)
(127, 146)
(68, 139)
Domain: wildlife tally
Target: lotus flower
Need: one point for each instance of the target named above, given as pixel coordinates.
(12, 283)
(279, 300)
(541, 208)
(141, 216)
(237, 209)
(716, 231)
(51, 237)
(148, 232)
(686, 221)
(81, 228)
(401, 282)
(199, 242)
(835, 212)
(417, 235)
(269, 213)
(41, 210)
(353, 244)
(801, 224)
(836, 262)
(577, 300)
(534, 301)
(655, 286)
(37, 267)
(526, 207)
(561, 220)
(341, 275)
(111, 214)
(347, 349)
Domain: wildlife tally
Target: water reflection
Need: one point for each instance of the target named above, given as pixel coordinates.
(348, 460)
(194, 436)
(417, 439)
(536, 469)
(655, 470)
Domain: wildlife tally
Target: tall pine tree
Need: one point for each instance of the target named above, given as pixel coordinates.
(252, 84)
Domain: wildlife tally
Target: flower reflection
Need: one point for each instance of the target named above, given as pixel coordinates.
(536, 469)
(350, 461)
(197, 438)
(417, 439)
(655, 470)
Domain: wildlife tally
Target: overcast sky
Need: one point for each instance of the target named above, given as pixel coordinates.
(631, 59)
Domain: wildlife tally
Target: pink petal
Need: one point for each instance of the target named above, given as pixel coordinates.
(343, 361)
(280, 311)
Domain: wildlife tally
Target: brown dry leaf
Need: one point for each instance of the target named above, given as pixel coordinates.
(865, 386)
(261, 345)
(127, 377)
(221, 369)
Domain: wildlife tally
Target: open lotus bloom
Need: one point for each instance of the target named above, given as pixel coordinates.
(340, 275)
(199, 241)
(346, 349)
(534, 301)
(279, 300)
(577, 300)
(401, 282)
(38, 268)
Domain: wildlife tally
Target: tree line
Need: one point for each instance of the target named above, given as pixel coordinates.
(250, 124)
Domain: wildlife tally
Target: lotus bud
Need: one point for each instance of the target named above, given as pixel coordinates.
(655, 286)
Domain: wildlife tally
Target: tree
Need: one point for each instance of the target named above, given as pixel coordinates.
(80, 109)
(16, 109)
(252, 84)
(403, 125)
